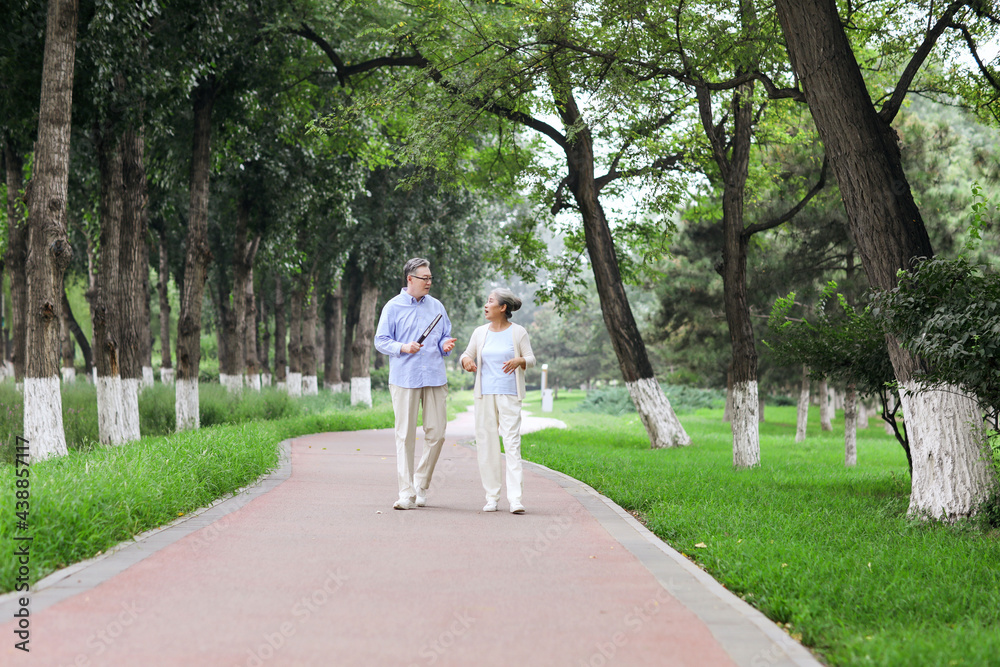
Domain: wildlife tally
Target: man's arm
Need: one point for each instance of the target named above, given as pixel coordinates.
(384, 342)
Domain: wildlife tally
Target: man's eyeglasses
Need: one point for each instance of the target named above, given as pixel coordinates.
(426, 279)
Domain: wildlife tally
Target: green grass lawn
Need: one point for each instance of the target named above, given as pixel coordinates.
(824, 550)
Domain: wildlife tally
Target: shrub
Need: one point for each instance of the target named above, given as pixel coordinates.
(616, 400)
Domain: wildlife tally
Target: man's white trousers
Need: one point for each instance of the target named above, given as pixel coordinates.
(406, 404)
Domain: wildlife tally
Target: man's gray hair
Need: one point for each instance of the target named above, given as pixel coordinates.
(411, 267)
(505, 297)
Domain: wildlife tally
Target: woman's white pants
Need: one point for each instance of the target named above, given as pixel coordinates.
(499, 416)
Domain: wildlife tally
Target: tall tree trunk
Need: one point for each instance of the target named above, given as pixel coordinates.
(146, 323)
(77, 333)
(657, 416)
(253, 380)
(333, 325)
(49, 251)
(108, 306)
(280, 335)
(225, 333)
(825, 419)
(294, 379)
(352, 295)
(802, 414)
(91, 296)
(133, 268)
(364, 339)
(952, 474)
(244, 251)
(16, 256)
(67, 347)
(265, 343)
(166, 365)
(851, 426)
(196, 259)
(310, 383)
(734, 167)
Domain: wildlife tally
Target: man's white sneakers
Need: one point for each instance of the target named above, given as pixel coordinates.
(491, 506)
(421, 497)
(516, 508)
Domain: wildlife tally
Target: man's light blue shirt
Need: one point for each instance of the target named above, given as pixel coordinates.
(402, 321)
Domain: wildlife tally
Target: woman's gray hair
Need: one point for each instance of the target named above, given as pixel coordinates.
(505, 297)
(411, 267)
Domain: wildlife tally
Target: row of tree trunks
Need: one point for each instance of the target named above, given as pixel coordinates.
(49, 251)
(951, 473)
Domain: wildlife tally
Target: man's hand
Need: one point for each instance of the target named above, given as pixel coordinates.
(468, 364)
(449, 345)
(410, 348)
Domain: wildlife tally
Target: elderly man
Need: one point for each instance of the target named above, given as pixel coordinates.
(416, 376)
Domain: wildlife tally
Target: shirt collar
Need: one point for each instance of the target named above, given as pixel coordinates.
(412, 299)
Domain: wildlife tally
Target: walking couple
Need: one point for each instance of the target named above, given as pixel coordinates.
(498, 353)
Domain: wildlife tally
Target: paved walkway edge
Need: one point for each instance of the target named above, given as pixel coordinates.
(87, 574)
(723, 613)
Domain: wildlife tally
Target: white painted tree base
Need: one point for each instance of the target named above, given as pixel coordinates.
(186, 405)
(148, 378)
(802, 416)
(310, 385)
(952, 471)
(232, 383)
(167, 375)
(130, 402)
(111, 410)
(43, 418)
(654, 409)
(68, 375)
(265, 379)
(252, 382)
(294, 383)
(361, 391)
(335, 387)
(282, 385)
(851, 428)
(746, 428)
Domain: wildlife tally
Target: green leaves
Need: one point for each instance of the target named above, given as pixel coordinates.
(948, 313)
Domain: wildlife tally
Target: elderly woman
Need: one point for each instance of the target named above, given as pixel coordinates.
(498, 353)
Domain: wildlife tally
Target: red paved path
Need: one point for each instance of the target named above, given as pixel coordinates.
(319, 570)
